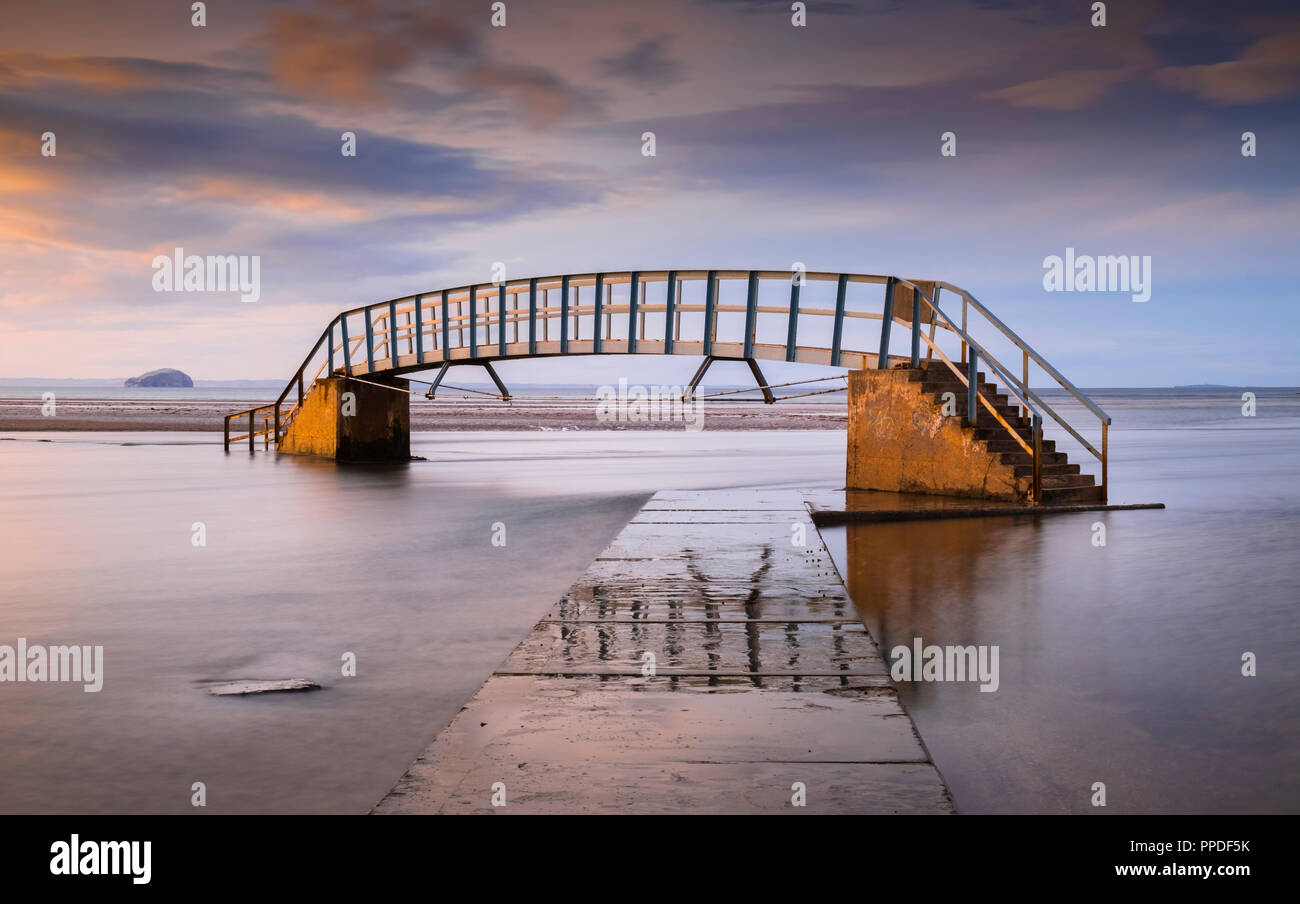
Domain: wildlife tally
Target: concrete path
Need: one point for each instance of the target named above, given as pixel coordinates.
(764, 677)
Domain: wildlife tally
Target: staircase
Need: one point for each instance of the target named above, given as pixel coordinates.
(1063, 483)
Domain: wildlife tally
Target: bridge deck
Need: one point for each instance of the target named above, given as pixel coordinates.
(764, 677)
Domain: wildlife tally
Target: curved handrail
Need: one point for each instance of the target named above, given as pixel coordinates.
(1024, 346)
(994, 364)
(430, 324)
(577, 280)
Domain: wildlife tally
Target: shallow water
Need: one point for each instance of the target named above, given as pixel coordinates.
(304, 561)
(1118, 664)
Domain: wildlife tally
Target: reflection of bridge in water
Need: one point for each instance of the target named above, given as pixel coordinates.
(711, 616)
(843, 320)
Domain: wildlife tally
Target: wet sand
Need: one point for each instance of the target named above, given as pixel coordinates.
(442, 414)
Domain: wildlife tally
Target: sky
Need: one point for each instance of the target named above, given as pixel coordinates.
(523, 144)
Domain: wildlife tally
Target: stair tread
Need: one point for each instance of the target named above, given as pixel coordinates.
(1063, 481)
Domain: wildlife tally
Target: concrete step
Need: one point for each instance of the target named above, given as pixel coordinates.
(939, 383)
(939, 372)
(1009, 445)
(995, 432)
(1000, 401)
(1071, 495)
(955, 385)
(1024, 458)
(1008, 413)
(1050, 469)
(1062, 481)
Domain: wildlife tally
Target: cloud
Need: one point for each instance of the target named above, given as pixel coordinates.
(540, 97)
(112, 75)
(1070, 90)
(1268, 69)
(351, 52)
(830, 7)
(352, 56)
(169, 161)
(643, 62)
(26, 69)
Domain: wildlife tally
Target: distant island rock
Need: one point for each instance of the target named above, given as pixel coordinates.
(164, 377)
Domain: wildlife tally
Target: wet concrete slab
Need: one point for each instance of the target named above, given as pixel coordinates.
(751, 646)
(744, 500)
(763, 685)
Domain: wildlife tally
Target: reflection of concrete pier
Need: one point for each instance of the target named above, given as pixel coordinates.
(764, 677)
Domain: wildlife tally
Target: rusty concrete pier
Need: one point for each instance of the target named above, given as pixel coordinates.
(764, 681)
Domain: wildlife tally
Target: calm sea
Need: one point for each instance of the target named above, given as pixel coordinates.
(268, 390)
(1119, 664)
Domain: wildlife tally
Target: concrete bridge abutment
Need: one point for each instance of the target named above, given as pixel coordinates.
(901, 440)
(353, 420)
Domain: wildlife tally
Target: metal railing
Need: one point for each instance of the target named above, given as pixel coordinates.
(653, 312)
(973, 351)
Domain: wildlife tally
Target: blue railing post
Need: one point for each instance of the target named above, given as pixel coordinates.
(564, 315)
(392, 332)
(751, 313)
(419, 330)
(370, 343)
(710, 302)
(634, 289)
(670, 309)
(838, 334)
(501, 320)
(331, 344)
(446, 327)
(792, 327)
(473, 321)
(916, 326)
(347, 346)
(598, 335)
(886, 321)
(532, 316)
(972, 385)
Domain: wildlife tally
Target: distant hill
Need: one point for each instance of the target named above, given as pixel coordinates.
(166, 377)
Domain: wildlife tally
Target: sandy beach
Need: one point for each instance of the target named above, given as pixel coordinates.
(443, 414)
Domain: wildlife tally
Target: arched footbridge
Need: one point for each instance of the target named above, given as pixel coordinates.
(916, 343)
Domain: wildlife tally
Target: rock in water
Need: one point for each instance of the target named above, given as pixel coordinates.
(167, 377)
(249, 686)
